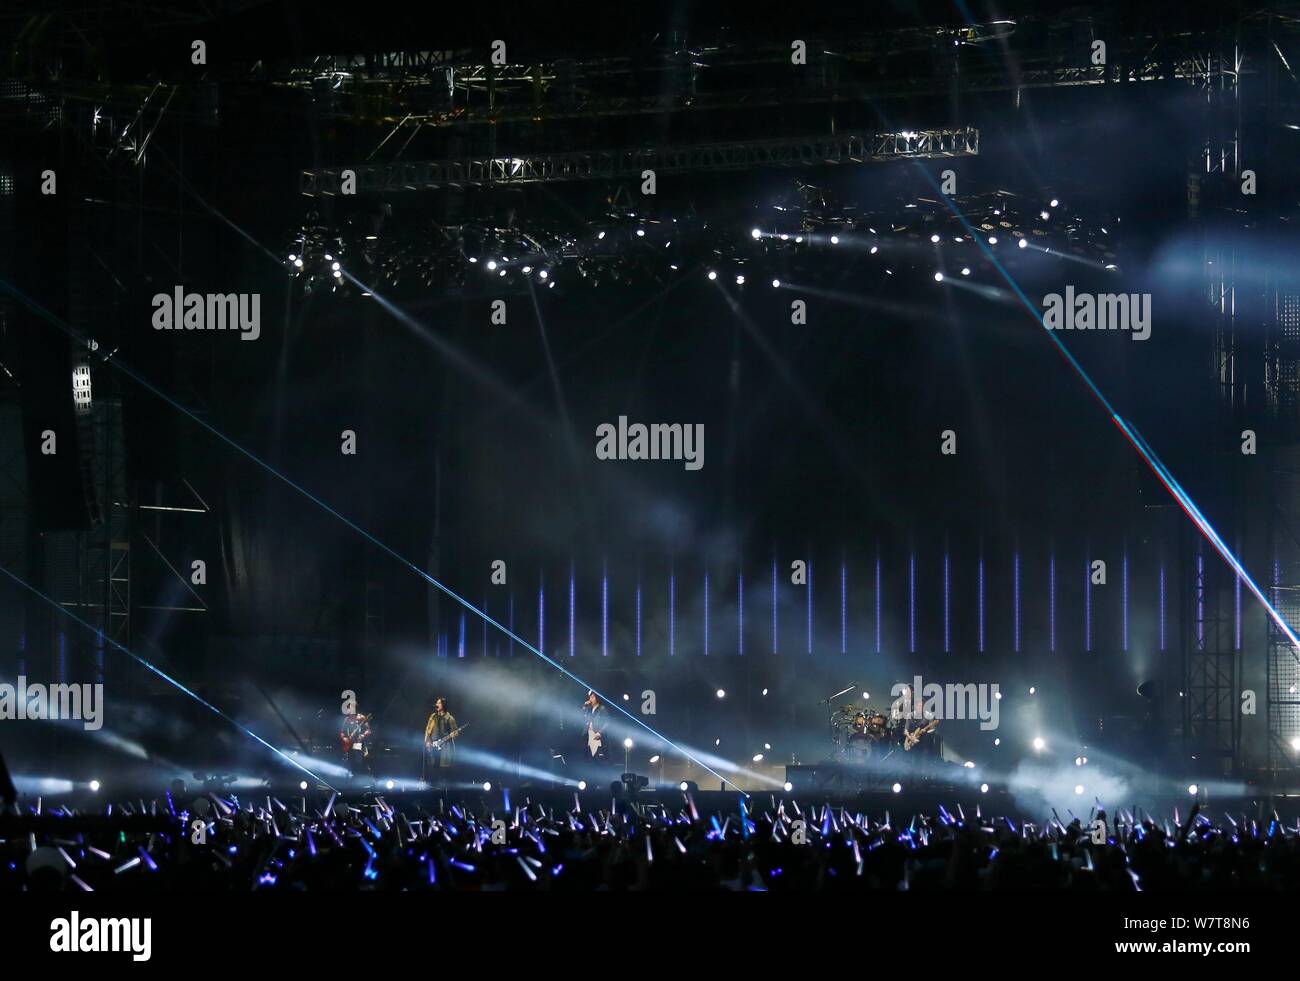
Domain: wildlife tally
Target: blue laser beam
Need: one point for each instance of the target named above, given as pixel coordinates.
(161, 674)
(1144, 450)
(383, 547)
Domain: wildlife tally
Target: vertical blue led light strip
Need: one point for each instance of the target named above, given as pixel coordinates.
(706, 613)
(946, 610)
(672, 614)
(911, 601)
(638, 615)
(810, 606)
(980, 578)
(844, 595)
(1087, 605)
(1015, 600)
(541, 615)
(1200, 600)
(740, 614)
(1124, 596)
(1051, 600)
(1162, 604)
(774, 632)
(572, 606)
(460, 642)
(877, 597)
(604, 612)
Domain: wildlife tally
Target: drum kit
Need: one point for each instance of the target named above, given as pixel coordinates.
(860, 733)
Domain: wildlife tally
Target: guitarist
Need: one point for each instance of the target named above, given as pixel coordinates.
(355, 736)
(441, 726)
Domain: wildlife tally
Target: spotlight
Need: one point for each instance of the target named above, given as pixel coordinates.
(627, 743)
(764, 691)
(998, 741)
(582, 784)
(965, 270)
(1023, 243)
(1055, 202)
(492, 264)
(683, 786)
(784, 237)
(302, 785)
(527, 270)
(1192, 789)
(935, 239)
(865, 694)
(1078, 788)
(487, 784)
(767, 745)
(473, 258)
(787, 786)
(984, 788)
(1295, 744)
(721, 694)
(938, 277)
(755, 233)
(758, 758)
(969, 765)
(740, 280)
(897, 788)
(1043, 215)
(712, 275)
(1039, 744)
(1032, 689)
(94, 786)
(600, 235)
(543, 274)
(993, 240)
(776, 284)
(640, 233)
(835, 240)
(389, 785)
(875, 249)
(998, 695)
(798, 238)
(655, 758)
(1078, 761)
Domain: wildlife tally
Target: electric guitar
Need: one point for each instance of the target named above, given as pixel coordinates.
(914, 737)
(359, 734)
(437, 744)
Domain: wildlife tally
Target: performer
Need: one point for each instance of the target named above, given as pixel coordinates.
(355, 736)
(594, 731)
(440, 738)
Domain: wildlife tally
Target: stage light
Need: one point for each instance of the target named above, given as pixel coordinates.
(682, 786)
(389, 785)
(94, 786)
(1032, 689)
(997, 741)
(640, 233)
(600, 235)
(626, 696)
(473, 258)
(302, 785)
(1039, 744)
(798, 238)
(787, 786)
(1085, 761)
(582, 784)
(993, 240)
(527, 270)
(1192, 789)
(764, 691)
(998, 695)
(969, 765)
(712, 275)
(655, 758)
(298, 263)
(755, 233)
(543, 274)
(1078, 761)
(897, 788)
(835, 240)
(784, 237)
(1054, 202)
(935, 239)
(1078, 788)
(758, 758)
(293, 258)
(1023, 243)
(721, 694)
(865, 694)
(1295, 744)
(776, 284)
(328, 257)
(984, 788)
(740, 280)
(492, 264)
(965, 270)
(938, 277)
(487, 784)
(627, 743)
(1043, 215)
(875, 249)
